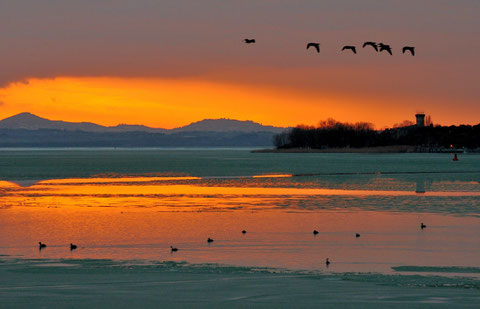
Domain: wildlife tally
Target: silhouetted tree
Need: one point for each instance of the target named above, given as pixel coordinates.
(333, 134)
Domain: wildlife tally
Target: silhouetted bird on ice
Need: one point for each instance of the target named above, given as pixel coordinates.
(209, 239)
(352, 48)
(41, 246)
(316, 45)
(173, 249)
(422, 226)
(315, 232)
(385, 47)
(411, 49)
(73, 247)
(373, 44)
(249, 41)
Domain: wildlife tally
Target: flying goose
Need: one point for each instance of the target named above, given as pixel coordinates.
(316, 45)
(352, 48)
(373, 44)
(249, 41)
(411, 49)
(385, 47)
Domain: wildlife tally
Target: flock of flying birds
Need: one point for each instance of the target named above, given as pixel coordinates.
(378, 47)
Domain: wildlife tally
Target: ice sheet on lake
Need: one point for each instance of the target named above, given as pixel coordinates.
(125, 284)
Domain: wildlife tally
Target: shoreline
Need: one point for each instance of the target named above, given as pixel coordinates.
(379, 149)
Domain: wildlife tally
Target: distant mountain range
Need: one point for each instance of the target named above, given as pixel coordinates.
(30, 121)
(28, 130)
(227, 125)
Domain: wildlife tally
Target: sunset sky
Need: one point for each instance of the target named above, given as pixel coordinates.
(168, 63)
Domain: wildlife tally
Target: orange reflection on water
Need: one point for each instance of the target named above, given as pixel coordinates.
(114, 180)
(130, 218)
(174, 194)
(109, 187)
(273, 238)
(273, 176)
(7, 184)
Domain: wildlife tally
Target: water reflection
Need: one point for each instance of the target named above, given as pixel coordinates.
(253, 194)
(420, 186)
(275, 238)
(130, 218)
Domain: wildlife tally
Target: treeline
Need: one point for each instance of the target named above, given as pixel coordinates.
(334, 134)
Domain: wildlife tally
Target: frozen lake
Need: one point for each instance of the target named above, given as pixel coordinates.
(125, 208)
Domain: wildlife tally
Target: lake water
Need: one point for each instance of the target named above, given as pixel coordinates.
(124, 208)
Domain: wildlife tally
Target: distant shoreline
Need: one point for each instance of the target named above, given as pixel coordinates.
(379, 149)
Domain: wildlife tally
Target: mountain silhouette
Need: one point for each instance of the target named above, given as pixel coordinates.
(227, 125)
(32, 122)
(28, 121)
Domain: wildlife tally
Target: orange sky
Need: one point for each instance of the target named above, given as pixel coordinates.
(169, 103)
(169, 63)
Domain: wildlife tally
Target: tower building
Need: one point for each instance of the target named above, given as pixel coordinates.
(420, 119)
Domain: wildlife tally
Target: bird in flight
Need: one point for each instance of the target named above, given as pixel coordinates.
(373, 44)
(411, 49)
(316, 45)
(385, 47)
(352, 48)
(249, 41)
